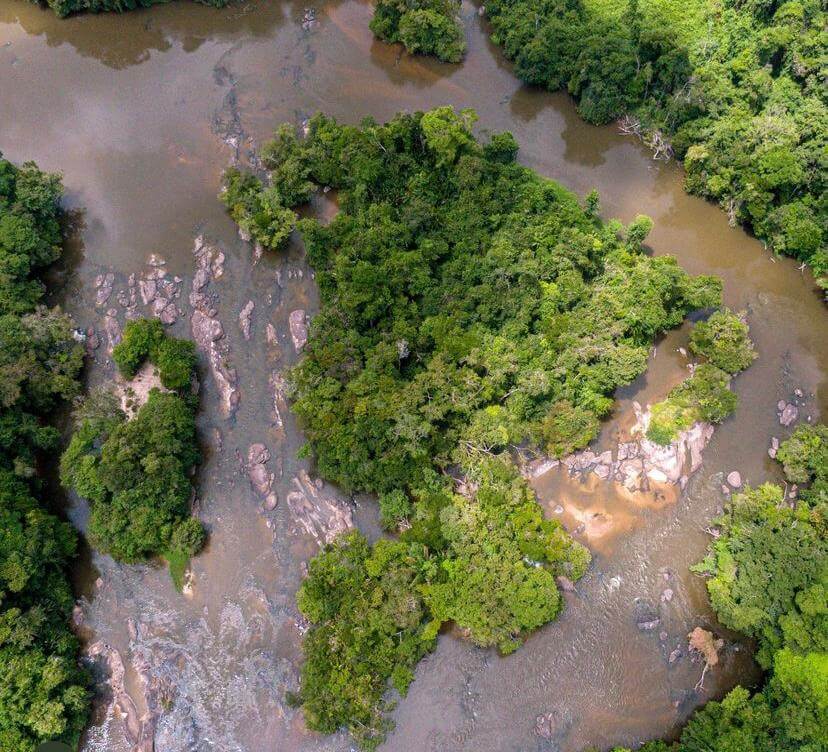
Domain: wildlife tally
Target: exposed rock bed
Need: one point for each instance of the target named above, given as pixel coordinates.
(637, 464)
(321, 514)
(207, 329)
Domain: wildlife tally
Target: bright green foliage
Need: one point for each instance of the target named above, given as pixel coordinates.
(467, 306)
(498, 571)
(395, 506)
(370, 625)
(766, 555)
(805, 458)
(145, 339)
(136, 473)
(43, 691)
(65, 7)
(723, 339)
(737, 88)
(704, 396)
(769, 568)
(376, 610)
(428, 27)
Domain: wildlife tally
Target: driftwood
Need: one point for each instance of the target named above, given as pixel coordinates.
(653, 139)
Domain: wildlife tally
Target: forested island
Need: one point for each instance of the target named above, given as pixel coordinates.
(470, 311)
(133, 458)
(43, 692)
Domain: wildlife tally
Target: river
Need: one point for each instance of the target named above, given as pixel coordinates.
(141, 112)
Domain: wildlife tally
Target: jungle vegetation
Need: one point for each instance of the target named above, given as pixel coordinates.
(136, 472)
(65, 8)
(469, 308)
(705, 395)
(43, 690)
(736, 88)
(428, 27)
(768, 578)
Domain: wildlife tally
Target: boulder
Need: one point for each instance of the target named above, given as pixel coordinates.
(734, 479)
(298, 328)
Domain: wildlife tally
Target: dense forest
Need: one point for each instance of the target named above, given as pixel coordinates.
(66, 7)
(136, 473)
(735, 89)
(428, 27)
(469, 307)
(43, 691)
(768, 578)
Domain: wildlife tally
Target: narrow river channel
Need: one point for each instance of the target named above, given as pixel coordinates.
(141, 112)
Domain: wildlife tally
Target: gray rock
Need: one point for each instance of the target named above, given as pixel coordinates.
(788, 414)
(298, 328)
(734, 479)
(104, 284)
(244, 318)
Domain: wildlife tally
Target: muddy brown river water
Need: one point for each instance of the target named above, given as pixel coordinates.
(141, 113)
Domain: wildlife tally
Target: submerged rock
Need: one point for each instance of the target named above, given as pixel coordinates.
(734, 479)
(207, 329)
(103, 285)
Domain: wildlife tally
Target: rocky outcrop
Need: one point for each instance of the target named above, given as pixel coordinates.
(278, 386)
(640, 463)
(103, 288)
(261, 479)
(112, 329)
(207, 329)
(245, 316)
(787, 412)
(298, 322)
(323, 516)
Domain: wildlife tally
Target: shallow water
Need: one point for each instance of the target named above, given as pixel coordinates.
(137, 112)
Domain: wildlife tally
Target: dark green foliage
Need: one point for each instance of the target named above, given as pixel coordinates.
(370, 625)
(145, 339)
(66, 7)
(723, 339)
(428, 27)
(467, 306)
(136, 473)
(466, 302)
(43, 691)
(769, 580)
(738, 89)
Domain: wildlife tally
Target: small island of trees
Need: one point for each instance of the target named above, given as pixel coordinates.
(469, 308)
